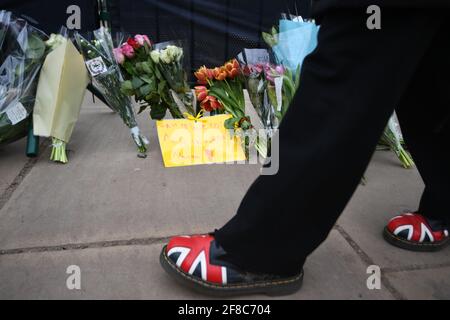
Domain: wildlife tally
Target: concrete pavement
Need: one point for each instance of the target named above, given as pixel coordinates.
(110, 213)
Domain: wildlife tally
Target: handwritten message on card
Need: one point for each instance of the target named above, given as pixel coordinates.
(206, 141)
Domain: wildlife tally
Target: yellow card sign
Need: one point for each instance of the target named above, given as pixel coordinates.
(195, 142)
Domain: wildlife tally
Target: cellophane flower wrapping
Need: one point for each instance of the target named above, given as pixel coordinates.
(393, 139)
(21, 57)
(146, 77)
(60, 94)
(170, 58)
(107, 79)
(271, 88)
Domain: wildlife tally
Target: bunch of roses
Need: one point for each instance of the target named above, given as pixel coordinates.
(168, 55)
(129, 48)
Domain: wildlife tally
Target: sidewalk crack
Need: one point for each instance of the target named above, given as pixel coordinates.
(84, 246)
(369, 262)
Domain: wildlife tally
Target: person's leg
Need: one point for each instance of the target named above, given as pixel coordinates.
(424, 115)
(349, 88)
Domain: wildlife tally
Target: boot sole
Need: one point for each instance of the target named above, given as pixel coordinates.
(282, 287)
(413, 246)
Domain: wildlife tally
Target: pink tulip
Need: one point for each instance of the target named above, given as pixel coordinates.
(128, 51)
(280, 70)
(120, 58)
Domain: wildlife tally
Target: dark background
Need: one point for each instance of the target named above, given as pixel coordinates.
(215, 30)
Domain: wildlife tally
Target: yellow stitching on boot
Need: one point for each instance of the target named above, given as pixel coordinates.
(439, 244)
(231, 287)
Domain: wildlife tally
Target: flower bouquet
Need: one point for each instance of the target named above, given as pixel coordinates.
(292, 41)
(60, 93)
(21, 57)
(222, 89)
(154, 77)
(169, 58)
(393, 139)
(107, 79)
(271, 89)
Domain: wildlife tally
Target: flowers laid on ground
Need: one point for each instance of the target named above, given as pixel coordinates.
(107, 78)
(271, 89)
(393, 139)
(223, 90)
(155, 77)
(21, 56)
(62, 85)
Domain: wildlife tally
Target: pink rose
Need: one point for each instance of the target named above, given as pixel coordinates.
(139, 39)
(118, 54)
(127, 51)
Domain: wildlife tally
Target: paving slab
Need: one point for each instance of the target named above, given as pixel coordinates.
(106, 193)
(12, 160)
(423, 284)
(334, 272)
(390, 190)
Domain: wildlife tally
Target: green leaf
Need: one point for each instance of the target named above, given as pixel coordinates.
(230, 123)
(146, 67)
(127, 88)
(145, 90)
(137, 82)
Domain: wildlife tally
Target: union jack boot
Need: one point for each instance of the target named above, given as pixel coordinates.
(198, 262)
(414, 232)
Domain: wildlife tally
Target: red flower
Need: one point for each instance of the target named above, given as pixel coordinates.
(211, 104)
(201, 92)
(132, 42)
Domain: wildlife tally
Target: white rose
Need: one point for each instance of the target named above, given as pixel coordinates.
(165, 57)
(155, 55)
(180, 54)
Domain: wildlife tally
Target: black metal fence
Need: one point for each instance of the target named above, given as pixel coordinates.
(216, 30)
(50, 15)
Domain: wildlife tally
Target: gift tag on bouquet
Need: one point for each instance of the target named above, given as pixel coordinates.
(96, 66)
(17, 113)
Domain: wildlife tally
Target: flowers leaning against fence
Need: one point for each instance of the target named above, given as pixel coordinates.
(169, 61)
(107, 79)
(145, 79)
(222, 88)
(22, 53)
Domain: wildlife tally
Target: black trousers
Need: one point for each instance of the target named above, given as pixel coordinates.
(350, 86)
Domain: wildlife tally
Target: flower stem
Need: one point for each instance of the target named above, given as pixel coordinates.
(59, 151)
